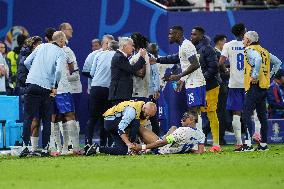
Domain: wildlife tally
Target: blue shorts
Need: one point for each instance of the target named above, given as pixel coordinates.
(196, 96)
(63, 103)
(235, 100)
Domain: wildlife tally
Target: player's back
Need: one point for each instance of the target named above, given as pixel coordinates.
(234, 52)
(46, 57)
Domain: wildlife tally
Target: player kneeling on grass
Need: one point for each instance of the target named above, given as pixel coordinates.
(122, 123)
(180, 140)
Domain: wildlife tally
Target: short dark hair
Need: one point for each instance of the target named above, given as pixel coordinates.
(113, 45)
(21, 39)
(30, 42)
(191, 113)
(6, 47)
(49, 33)
(219, 37)
(279, 74)
(200, 29)
(178, 28)
(139, 40)
(36, 39)
(238, 29)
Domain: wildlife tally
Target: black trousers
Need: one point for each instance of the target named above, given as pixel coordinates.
(119, 147)
(37, 104)
(223, 114)
(98, 104)
(255, 99)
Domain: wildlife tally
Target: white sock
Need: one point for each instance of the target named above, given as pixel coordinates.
(257, 124)
(34, 142)
(248, 142)
(51, 139)
(199, 123)
(74, 135)
(98, 150)
(78, 127)
(237, 128)
(57, 138)
(262, 144)
(65, 133)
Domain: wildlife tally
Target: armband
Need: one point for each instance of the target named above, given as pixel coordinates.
(170, 139)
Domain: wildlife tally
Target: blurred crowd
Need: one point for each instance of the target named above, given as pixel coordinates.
(221, 3)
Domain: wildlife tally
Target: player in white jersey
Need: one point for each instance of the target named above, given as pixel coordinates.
(180, 140)
(64, 111)
(234, 52)
(74, 79)
(191, 72)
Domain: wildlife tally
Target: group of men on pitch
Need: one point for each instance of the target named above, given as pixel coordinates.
(124, 122)
(248, 84)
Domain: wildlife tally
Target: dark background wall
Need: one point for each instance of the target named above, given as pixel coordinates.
(93, 18)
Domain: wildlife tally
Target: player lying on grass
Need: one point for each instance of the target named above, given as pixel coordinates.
(180, 140)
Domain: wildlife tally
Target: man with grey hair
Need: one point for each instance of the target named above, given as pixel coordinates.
(256, 82)
(99, 103)
(90, 58)
(121, 85)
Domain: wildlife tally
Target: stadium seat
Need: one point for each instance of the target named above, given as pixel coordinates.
(11, 114)
(11, 106)
(13, 133)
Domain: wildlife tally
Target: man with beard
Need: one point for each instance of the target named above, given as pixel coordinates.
(191, 74)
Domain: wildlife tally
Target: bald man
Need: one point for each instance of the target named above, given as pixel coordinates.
(122, 122)
(44, 65)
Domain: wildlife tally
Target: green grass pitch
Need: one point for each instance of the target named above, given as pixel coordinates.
(228, 170)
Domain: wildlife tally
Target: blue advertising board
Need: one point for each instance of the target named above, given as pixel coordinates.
(94, 18)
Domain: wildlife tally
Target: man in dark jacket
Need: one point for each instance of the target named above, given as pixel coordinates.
(209, 65)
(22, 73)
(121, 85)
(275, 96)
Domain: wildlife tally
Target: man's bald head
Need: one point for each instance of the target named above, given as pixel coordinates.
(149, 109)
(59, 37)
